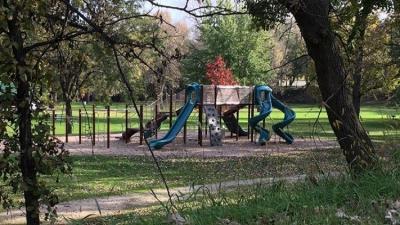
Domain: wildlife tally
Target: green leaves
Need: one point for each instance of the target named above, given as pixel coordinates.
(244, 49)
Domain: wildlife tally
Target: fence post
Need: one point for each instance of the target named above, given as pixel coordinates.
(80, 125)
(200, 126)
(126, 123)
(54, 121)
(94, 125)
(185, 126)
(141, 125)
(252, 116)
(108, 126)
(66, 126)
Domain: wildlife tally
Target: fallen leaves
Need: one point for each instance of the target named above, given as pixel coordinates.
(392, 215)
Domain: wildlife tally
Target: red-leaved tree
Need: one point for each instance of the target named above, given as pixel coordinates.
(218, 74)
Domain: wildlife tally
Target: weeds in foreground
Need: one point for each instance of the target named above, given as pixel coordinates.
(368, 199)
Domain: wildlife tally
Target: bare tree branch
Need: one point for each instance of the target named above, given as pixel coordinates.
(287, 63)
(197, 12)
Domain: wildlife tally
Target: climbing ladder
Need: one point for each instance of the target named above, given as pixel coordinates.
(216, 134)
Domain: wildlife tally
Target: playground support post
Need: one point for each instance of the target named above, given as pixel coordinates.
(205, 130)
(141, 124)
(170, 107)
(215, 96)
(66, 126)
(231, 134)
(200, 125)
(248, 124)
(80, 126)
(220, 114)
(94, 125)
(155, 117)
(237, 127)
(126, 122)
(108, 126)
(53, 117)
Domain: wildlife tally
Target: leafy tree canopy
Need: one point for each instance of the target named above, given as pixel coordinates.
(246, 51)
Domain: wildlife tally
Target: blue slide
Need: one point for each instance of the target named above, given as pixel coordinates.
(290, 115)
(193, 97)
(262, 98)
(265, 100)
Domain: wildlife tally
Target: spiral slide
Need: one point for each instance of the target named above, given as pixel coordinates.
(265, 100)
(290, 115)
(262, 98)
(193, 93)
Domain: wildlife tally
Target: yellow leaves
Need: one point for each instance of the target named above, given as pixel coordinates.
(337, 123)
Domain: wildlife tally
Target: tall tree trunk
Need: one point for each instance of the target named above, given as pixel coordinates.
(28, 168)
(357, 77)
(355, 45)
(68, 114)
(23, 98)
(322, 46)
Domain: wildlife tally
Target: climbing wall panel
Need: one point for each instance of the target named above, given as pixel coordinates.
(216, 134)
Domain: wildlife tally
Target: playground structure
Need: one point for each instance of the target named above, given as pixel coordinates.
(208, 98)
(181, 112)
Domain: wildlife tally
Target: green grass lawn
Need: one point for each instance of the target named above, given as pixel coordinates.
(105, 175)
(332, 200)
(377, 119)
(97, 176)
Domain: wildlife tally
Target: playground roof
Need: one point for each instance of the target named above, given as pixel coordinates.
(227, 94)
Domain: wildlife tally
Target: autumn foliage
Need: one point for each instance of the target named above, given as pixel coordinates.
(218, 74)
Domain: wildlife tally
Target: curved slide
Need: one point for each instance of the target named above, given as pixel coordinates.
(193, 97)
(290, 115)
(264, 103)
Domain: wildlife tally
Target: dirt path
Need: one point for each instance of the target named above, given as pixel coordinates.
(120, 204)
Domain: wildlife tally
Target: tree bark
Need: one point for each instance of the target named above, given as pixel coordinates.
(357, 77)
(312, 17)
(23, 98)
(68, 114)
(355, 44)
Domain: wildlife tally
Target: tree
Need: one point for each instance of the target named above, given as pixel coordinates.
(29, 31)
(290, 55)
(74, 69)
(218, 74)
(168, 66)
(351, 25)
(380, 71)
(244, 49)
(28, 150)
(323, 47)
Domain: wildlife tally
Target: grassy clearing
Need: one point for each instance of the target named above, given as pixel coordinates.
(362, 200)
(382, 122)
(95, 176)
(99, 176)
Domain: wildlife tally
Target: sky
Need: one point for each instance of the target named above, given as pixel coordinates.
(176, 15)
